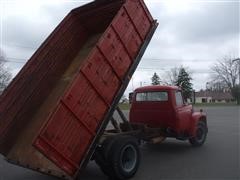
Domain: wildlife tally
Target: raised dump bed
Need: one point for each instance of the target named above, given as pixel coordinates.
(57, 107)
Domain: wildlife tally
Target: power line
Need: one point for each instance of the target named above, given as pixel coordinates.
(151, 68)
(20, 46)
(14, 60)
(9, 61)
(23, 61)
(175, 59)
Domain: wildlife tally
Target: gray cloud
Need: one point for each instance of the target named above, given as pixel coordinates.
(210, 21)
(195, 37)
(216, 22)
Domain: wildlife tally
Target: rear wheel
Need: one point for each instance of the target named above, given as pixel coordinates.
(123, 158)
(102, 153)
(201, 134)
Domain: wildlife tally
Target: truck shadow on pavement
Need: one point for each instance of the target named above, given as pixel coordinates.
(152, 155)
(168, 146)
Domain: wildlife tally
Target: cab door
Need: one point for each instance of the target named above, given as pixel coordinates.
(183, 113)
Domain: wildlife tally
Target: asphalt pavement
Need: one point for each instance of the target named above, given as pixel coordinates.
(219, 158)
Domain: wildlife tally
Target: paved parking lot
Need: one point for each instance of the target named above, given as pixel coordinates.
(219, 158)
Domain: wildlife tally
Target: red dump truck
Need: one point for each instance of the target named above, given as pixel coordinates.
(156, 113)
(54, 112)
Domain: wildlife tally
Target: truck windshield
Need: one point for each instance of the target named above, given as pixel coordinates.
(152, 96)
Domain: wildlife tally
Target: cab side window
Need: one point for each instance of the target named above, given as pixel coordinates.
(179, 98)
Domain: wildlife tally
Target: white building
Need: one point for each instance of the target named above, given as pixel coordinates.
(208, 96)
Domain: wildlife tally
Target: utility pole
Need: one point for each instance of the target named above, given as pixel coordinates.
(238, 87)
(238, 59)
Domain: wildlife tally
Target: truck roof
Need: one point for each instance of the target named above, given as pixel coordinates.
(156, 88)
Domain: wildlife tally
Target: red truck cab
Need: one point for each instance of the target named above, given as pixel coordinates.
(164, 107)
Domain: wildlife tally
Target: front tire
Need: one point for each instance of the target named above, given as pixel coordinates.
(201, 135)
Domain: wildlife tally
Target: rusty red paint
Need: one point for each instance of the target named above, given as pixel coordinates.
(73, 121)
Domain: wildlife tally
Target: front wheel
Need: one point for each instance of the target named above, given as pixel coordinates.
(201, 135)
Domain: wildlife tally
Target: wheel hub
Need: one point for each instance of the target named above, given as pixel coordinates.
(128, 158)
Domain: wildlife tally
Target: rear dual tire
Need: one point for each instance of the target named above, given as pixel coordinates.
(119, 157)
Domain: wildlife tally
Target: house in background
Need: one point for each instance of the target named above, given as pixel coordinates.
(207, 96)
(203, 97)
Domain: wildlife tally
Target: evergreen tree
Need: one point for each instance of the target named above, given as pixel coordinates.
(155, 79)
(184, 81)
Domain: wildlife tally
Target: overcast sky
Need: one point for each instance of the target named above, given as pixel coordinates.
(194, 34)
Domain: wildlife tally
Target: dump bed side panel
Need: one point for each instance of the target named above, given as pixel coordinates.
(75, 122)
(33, 84)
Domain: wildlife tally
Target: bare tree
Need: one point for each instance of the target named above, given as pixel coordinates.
(226, 71)
(5, 75)
(172, 76)
(216, 86)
